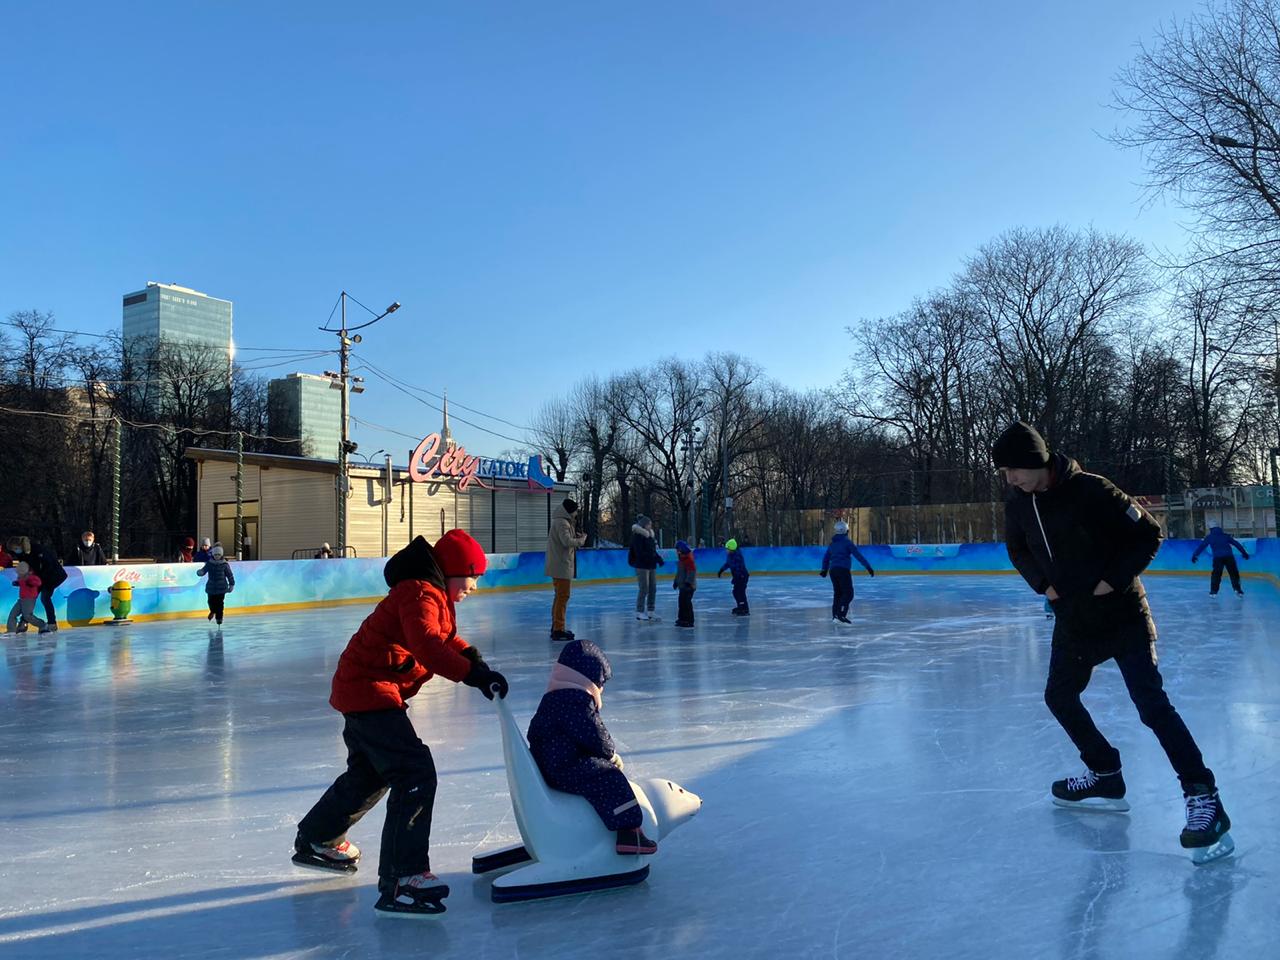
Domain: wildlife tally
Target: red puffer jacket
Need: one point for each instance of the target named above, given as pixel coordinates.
(410, 636)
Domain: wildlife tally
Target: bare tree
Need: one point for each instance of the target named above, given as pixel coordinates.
(556, 436)
(1204, 103)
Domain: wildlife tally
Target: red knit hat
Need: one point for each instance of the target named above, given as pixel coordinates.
(459, 555)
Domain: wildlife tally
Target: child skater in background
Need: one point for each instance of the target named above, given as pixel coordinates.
(737, 567)
(1220, 544)
(574, 751)
(686, 582)
(838, 561)
(410, 636)
(28, 585)
(221, 581)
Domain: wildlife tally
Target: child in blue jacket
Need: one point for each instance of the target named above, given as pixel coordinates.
(574, 751)
(1220, 544)
(737, 568)
(838, 561)
(221, 581)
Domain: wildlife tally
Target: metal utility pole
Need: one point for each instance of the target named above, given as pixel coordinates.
(239, 544)
(724, 472)
(115, 494)
(340, 381)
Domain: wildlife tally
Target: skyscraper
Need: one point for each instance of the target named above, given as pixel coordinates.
(308, 409)
(180, 341)
(163, 312)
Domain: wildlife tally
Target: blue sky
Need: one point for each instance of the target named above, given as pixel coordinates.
(551, 189)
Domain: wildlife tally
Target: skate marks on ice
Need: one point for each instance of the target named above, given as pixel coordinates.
(880, 791)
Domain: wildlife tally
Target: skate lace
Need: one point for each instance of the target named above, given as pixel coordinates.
(421, 880)
(1083, 782)
(1200, 811)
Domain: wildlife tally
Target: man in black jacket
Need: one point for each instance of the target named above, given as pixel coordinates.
(88, 552)
(1082, 542)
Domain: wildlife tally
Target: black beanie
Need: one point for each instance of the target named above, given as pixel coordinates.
(570, 505)
(1020, 447)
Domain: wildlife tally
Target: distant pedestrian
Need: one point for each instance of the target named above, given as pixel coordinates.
(838, 561)
(89, 552)
(325, 552)
(221, 582)
(645, 560)
(563, 542)
(1220, 545)
(204, 553)
(187, 552)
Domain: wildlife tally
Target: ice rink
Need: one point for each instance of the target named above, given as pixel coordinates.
(874, 791)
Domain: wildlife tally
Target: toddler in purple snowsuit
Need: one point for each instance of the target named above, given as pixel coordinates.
(573, 749)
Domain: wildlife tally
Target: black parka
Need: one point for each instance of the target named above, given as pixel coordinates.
(1080, 532)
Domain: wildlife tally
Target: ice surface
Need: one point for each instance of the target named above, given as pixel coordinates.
(874, 791)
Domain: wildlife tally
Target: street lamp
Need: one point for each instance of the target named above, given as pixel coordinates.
(1231, 143)
(345, 446)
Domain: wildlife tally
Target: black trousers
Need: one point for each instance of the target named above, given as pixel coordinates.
(383, 751)
(216, 602)
(740, 592)
(1069, 672)
(1227, 563)
(46, 597)
(684, 606)
(841, 591)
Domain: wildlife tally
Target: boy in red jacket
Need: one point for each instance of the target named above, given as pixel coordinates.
(410, 636)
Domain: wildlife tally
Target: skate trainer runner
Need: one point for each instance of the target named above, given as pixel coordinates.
(1082, 542)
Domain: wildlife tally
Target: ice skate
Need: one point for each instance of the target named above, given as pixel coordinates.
(418, 896)
(684, 623)
(845, 620)
(634, 841)
(640, 615)
(654, 617)
(1206, 834)
(560, 636)
(1102, 792)
(341, 856)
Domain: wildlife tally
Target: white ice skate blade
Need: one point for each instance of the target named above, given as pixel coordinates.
(1092, 804)
(1216, 851)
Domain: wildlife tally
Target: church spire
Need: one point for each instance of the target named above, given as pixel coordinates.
(446, 435)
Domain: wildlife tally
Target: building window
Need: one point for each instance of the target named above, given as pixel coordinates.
(136, 298)
(224, 528)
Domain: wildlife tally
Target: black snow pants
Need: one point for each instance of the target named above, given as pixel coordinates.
(383, 750)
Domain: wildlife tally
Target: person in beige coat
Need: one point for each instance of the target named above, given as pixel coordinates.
(563, 542)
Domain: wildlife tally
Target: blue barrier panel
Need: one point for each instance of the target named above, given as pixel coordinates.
(174, 590)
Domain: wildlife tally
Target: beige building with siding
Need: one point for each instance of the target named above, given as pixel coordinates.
(290, 507)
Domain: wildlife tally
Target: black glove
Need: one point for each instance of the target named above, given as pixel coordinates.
(674, 585)
(482, 677)
(822, 573)
(1195, 559)
(1244, 556)
(870, 572)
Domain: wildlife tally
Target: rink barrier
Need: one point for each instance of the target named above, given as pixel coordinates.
(173, 591)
